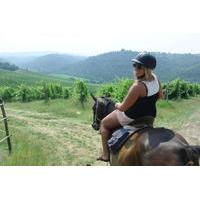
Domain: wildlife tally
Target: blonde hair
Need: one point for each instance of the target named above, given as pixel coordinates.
(148, 75)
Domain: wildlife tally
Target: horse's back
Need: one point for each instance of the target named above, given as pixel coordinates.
(153, 146)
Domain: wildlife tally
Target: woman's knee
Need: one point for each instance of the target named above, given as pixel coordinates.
(110, 123)
(104, 124)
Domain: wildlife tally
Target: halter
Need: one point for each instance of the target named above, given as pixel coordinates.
(96, 119)
(105, 111)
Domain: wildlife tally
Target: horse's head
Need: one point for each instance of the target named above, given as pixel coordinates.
(101, 108)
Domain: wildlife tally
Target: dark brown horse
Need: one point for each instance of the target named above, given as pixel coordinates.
(150, 146)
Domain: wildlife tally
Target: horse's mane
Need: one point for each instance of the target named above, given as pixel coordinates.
(107, 99)
(108, 103)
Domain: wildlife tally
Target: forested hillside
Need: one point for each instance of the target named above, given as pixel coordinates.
(104, 67)
(7, 66)
(110, 66)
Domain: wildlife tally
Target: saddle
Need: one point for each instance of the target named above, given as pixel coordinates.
(120, 136)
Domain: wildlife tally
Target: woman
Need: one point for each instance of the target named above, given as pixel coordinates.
(139, 103)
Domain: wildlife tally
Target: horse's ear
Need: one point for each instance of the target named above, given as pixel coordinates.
(94, 98)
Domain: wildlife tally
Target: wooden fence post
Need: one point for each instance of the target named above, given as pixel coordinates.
(4, 119)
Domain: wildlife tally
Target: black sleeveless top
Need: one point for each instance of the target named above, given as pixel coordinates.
(145, 106)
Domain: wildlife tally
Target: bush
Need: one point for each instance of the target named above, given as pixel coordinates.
(107, 90)
(45, 92)
(80, 91)
(117, 90)
(24, 93)
(66, 93)
(121, 89)
(7, 93)
(180, 89)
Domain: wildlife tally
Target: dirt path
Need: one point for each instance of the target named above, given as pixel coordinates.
(67, 139)
(191, 129)
(76, 143)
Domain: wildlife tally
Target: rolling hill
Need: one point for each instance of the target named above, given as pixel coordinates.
(44, 62)
(18, 77)
(112, 65)
(52, 63)
(15, 78)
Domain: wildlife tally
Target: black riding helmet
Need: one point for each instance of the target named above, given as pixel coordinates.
(145, 59)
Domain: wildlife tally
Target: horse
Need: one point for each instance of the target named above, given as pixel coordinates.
(149, 146)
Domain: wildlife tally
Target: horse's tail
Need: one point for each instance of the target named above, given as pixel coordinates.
(192, 155)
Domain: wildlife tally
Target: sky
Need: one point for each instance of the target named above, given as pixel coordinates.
(91, 27)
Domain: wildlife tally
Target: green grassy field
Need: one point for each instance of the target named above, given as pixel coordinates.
(9, 78)
(13, 79)
(60, 132)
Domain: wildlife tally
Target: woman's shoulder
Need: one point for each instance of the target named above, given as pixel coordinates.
(139, 87)
(138, 84)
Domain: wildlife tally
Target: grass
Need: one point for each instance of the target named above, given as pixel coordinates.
(56, 133)
(60, 133)
(26, 147)
(10, 78)
(174, 114)
(59, 108)
(15, 78)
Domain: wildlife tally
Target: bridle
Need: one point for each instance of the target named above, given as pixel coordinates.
(96, 118)
(107, 103)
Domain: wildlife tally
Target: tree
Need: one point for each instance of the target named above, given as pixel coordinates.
(81, 91)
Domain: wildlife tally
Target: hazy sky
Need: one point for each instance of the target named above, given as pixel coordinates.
(91, 27)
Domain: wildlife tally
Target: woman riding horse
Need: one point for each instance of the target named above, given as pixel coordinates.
(140, 103)
(149, 146)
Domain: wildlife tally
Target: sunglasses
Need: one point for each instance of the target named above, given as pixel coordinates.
(138, 66)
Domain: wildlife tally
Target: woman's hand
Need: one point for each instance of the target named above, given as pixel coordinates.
(117, 105)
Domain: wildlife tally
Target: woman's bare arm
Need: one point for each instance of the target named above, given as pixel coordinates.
(134, 93)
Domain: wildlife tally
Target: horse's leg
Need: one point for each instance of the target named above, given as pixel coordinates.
(191, 154)
(129, 154)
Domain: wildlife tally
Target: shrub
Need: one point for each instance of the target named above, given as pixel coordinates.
(80, 91)
(7, 93)
(66, 93)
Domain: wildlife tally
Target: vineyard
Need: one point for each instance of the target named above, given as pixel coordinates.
(174, 90)
(31, 88)
(27, 86)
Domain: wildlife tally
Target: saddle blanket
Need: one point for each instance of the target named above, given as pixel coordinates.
(120, 136)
